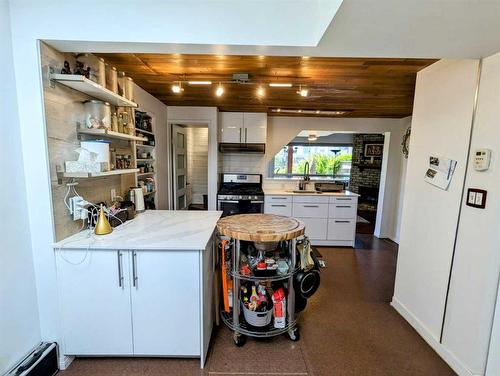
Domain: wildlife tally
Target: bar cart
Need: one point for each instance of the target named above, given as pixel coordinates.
(262, 232)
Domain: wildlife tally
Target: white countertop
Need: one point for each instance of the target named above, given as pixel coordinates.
(152, 230)
(285, 192)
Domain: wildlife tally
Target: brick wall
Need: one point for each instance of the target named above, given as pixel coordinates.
(368, 177)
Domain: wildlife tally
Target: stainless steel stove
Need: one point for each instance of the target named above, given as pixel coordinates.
(240, 193)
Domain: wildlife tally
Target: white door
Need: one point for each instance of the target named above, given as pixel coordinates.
(179, 168)
(166, 303)
(231, 127)
(255, 127)
(94, 297)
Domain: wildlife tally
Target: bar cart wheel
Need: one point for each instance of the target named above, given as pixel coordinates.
(239, 339)
(294, 334)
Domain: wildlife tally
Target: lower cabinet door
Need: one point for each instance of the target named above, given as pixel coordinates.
(278, 208)
(94, 300)
(316, 228)
(341, 229)
(165, 294)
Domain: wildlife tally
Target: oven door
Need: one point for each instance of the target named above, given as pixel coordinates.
(229, 207)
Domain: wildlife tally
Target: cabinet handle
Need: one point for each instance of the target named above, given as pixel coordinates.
(278, 198)
(342, 221)
(344, 199)
(311, 206)
(239, 130)
(343, 206)
(120, 269)
(278, 206)
(246, 138)
(134, 269)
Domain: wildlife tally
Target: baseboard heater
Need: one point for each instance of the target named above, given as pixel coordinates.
(42, 361)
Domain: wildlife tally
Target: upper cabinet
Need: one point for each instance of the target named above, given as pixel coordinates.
(243, 127)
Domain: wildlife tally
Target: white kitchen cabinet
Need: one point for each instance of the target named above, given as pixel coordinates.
(255, 127)
(341, 229)
(278, 208)
(140, 303)
(310, 210)
(342, 211)
(165, 302)
(94, 292)
(316, 228)
(231, 127)
(243, 127)
(330, 220)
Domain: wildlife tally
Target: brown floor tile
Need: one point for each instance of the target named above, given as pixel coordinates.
(348, 328)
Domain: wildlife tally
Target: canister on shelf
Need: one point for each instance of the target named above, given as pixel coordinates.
(111, 78)
(96, 65)
(129, 88)
(114, 122)
(97, 114)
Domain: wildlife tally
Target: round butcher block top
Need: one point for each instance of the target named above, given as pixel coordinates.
(260, 227)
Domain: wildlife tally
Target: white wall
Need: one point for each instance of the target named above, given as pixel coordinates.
(436, 222)
(441, 125)
(207, 116)
(19, 324)
(476, 264)
(493, 366)
(152, 105)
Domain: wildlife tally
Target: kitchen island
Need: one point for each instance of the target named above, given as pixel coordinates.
(146, 289)
(329, 217)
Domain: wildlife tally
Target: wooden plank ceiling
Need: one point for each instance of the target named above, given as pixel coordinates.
(358, 87)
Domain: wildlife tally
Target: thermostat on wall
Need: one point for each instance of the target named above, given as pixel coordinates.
(482, 159)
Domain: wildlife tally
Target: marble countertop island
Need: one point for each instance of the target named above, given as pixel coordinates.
(152, 230)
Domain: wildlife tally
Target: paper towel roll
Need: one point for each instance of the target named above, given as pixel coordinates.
(137, 197)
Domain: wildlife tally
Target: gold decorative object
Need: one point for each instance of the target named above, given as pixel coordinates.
(102, 227)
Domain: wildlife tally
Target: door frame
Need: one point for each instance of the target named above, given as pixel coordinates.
(212, 172)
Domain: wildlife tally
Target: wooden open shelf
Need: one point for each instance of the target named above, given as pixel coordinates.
(109, 134)
(89, 87)
(99, 174)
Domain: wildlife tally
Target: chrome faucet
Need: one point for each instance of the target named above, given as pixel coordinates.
(305, 178)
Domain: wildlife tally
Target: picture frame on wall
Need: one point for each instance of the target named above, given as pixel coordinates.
(373, 150)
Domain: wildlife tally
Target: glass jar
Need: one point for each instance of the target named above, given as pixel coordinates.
(121, 83)
(97, 67)
(97, 114)
(111, 78)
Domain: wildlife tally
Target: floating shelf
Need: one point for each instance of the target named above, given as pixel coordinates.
(143, 131)
(145, 160)
(145, 146)
(109, 134)
(89, 87)
(145, 174)
(99, 174)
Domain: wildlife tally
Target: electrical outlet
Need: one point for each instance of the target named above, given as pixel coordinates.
(113, 194)
(76, 207)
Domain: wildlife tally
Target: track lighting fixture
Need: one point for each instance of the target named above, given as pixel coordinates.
(177, 88)
(219, 91)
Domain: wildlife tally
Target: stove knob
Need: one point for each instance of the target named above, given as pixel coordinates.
(240, 197)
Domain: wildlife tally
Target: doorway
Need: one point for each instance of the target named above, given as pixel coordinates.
(190, 166)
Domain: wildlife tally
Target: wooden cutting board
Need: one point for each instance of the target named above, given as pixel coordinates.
(260, 227)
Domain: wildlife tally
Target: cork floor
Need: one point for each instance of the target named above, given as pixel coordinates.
(348, 328)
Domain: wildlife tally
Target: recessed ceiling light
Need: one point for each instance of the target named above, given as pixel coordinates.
(219, 91)
(299, 111)
(260, 91)
(318, 111)
(177, 88)
(200, 82)
(278, 110)
(280, 84)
